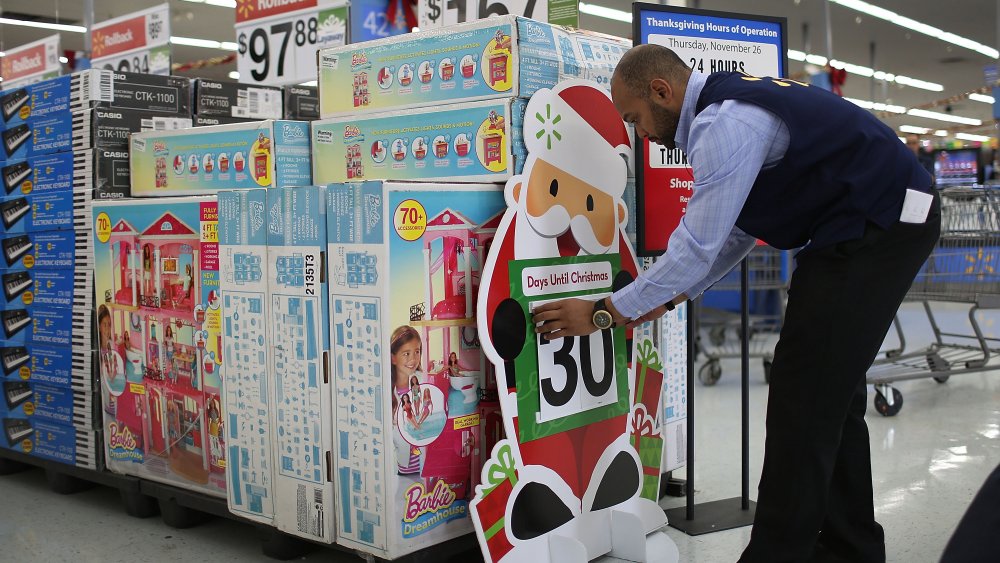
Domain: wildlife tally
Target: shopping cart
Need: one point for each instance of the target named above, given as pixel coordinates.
(964, 267)
(719, 321)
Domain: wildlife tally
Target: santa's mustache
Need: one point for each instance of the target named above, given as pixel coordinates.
(556, 221)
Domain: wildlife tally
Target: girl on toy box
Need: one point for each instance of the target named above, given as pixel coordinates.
(405, 351)
(859, 205)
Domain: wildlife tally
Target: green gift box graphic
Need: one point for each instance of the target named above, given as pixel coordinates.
(646, 440)
(501, 476)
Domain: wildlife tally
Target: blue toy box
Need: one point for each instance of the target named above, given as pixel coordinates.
(51, 365)
(46, 250)
(49, 288)
(54, 403)
(54, 442)
(49, 326)
(45, 211)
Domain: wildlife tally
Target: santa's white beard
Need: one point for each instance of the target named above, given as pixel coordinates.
(537, 236)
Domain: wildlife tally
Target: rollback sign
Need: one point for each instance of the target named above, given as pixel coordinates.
(708, 42)
(567, 463)
(136, 42)
(36, 61)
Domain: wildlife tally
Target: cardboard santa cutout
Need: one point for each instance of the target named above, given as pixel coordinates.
(565, 485)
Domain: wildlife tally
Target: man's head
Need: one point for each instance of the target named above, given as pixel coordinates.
(648, 91)
(913, 143)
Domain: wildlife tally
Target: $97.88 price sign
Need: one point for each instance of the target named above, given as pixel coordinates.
(278, 39)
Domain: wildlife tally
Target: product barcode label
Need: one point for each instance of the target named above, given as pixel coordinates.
(103, 88)
(170, 123)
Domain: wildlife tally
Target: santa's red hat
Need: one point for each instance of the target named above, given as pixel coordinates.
(576, 128)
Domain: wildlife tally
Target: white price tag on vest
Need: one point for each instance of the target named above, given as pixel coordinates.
(916, 205)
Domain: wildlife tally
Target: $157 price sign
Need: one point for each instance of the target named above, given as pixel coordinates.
(439, 13)
(278, 39)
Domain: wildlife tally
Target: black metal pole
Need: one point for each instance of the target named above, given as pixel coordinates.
(692, 334)
(745, 378)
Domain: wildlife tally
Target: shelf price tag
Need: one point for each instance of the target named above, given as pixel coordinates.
(440, 13)
(136, 42)
(278, 39)
(38, 60)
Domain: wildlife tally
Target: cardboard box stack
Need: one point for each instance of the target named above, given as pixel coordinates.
(62, 144)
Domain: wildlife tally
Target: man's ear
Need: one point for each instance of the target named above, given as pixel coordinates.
(661, 91)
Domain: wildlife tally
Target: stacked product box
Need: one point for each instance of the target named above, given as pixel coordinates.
(258, 154)
(404, 263)
(420, 111)
(160, 340)
(89, 114)
(302, 103)
(236, 101)
(278, 398)
(248, 399)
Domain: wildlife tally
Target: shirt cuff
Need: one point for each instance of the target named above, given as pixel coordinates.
(627, 301)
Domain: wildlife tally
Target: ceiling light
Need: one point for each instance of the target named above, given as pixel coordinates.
(605, 12)
(902, 21)
(901, 139)
(310, 83)
(877, 106)
(206, 43)
(982, 98)
(916, 83)
(796, 55)
(914, 129)
(971, 137)
(941, 133)
(943, 117)
(234, 74)
(816, 60)
(42, 25)
(63, 60)
(222, 3)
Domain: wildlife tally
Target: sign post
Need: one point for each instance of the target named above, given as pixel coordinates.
(136, 42)
(36, 61)
(278, 40)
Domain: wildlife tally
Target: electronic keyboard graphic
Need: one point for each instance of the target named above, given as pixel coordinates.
(12, 102)
(14, 174)
(13, 357)
(12, 211)
(15, 283)
(16, 247)
(14, 138)
(14, 320)
(16, 393)
(16, 430)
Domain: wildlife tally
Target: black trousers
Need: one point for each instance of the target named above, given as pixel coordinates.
(977, 538)
(815, 492)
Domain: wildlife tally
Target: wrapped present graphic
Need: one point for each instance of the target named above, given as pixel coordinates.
(649, 378)
(645, 437)
(500, 476)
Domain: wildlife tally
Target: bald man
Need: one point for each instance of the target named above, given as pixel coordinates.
(798, 168)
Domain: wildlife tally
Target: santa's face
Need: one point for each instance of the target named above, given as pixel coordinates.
(562, 206)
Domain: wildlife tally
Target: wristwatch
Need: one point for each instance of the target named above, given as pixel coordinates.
(602, 318)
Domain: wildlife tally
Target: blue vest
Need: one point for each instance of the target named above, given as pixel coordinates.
(843, 167)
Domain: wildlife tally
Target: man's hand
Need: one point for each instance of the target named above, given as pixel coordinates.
(569, 317)
(650, 316)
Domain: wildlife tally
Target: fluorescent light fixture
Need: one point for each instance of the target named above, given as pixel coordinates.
(913, 25)
(901, 139)
(2, 54)
(63, 60)
(42, 25)
(914, 129)
(234, 74)
(816, 60)
(941, 133)
(221, 3)
(796, 55)
(310, 83)
(971, 137)
(982, 98)
(943, 117)
(605, 12)
(206, 43)
(877, 106)
(916, 83)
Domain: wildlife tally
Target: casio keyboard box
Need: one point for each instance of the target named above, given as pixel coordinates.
(47, 364)
(159, 339)
(109, 128)
(40, 135)
(48, 326)
(47, 440)
(43, 173)
(248, 397)
(302, 102)
(50, 288)
(235, 99)
(202, 160)
(90, 88)
(45, 211)
(207, 120)
(54, 403)
(46, 250)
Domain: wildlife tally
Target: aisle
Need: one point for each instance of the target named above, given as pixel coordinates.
(928, 462)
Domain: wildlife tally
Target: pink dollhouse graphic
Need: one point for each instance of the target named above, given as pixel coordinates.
(453, 254)
(155, 302)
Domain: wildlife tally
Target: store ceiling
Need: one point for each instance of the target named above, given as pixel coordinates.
(897, 50)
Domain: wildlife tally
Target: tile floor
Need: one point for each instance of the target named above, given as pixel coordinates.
(928, 461)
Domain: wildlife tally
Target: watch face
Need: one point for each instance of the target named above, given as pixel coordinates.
(603, 320)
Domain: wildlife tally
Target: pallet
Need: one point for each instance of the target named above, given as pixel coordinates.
(180, 508)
